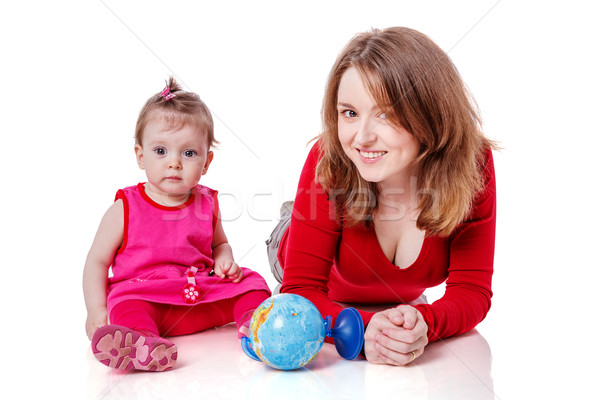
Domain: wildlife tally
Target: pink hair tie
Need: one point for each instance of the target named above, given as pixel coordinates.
(166, 94)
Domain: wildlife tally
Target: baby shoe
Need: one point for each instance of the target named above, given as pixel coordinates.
(124, 348)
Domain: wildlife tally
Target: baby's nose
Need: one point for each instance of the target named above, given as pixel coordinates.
(174, 162)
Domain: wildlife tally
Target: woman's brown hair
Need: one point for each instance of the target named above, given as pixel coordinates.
(184, 109)
(418, 87)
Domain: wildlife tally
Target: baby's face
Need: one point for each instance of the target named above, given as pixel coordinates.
(174, 158)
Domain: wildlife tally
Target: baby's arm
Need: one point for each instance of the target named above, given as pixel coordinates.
(223, 256)
(99, 259)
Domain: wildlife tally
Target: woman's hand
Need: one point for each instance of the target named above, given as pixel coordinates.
(229, 269)
(396, 336)
(95, 319)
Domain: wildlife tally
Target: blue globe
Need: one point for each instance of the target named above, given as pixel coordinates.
(286, 331)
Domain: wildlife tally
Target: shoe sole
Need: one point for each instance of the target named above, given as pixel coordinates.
(125, 349)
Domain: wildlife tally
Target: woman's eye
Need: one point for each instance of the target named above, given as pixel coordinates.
(161, 151)
(189, 153)
(349, 113)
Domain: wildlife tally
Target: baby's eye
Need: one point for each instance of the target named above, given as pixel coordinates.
(161, 151)
(349, 113)
(189, 153)
(382, 116)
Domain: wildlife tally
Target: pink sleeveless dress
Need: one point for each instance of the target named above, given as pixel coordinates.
(167, 249)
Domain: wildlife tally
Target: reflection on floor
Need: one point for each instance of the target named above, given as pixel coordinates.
(212, 365)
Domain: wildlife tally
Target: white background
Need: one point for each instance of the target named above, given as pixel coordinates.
(75, 74)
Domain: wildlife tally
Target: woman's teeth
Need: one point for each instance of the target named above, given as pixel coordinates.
(369, 154)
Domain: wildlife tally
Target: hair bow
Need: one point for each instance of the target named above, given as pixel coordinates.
(166, 94)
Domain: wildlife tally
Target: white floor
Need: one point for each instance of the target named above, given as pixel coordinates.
(75, 75)
(212, 365)
(52, 359)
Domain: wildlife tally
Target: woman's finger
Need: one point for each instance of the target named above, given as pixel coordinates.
(395, 316)
(394, 344)
(397, 358)
(409, 314)
(414, 338)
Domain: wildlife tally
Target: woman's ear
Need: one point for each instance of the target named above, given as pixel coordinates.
(139, 155)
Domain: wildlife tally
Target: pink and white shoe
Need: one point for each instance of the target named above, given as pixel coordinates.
(123, 348)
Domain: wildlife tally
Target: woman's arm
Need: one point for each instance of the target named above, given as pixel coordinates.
(398, 336)
(312, 241)
(469, 285)
(99, 259)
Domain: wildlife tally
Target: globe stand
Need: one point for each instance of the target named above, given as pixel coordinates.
(348, 335)
(245, 342)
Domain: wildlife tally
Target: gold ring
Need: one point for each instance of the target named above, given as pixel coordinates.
(414, 356)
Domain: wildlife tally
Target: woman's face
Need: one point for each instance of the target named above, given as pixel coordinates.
(382, 152)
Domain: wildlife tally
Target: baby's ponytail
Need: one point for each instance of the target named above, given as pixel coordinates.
(178, 108)
(169, 91)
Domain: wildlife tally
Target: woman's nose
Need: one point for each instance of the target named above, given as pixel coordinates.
(366, 132)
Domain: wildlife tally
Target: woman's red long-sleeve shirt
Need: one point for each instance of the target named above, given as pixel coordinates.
(328, 263)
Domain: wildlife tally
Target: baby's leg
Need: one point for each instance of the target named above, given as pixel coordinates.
(132, 341)
(138, 315)
(182, 320)
(244, 307)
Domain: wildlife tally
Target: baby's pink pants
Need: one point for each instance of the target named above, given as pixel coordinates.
(171, 320)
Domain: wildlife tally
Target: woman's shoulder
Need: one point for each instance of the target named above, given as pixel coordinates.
(315, 151)
(484, 202)
(488, 170)
(313, 157)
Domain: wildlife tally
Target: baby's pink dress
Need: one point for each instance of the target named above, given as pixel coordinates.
(161, 245)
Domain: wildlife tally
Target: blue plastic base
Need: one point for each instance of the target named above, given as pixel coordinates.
(245, 342)
(349, 333)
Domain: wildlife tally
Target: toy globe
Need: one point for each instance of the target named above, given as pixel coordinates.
(287, 331)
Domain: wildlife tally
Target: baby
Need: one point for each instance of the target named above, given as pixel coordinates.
(173, 269)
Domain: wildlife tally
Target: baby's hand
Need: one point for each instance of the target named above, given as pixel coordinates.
(229, 269)
(95, 319)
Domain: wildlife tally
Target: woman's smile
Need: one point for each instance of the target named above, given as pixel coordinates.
(371, 156)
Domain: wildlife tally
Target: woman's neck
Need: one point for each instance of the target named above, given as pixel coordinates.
(398, 199)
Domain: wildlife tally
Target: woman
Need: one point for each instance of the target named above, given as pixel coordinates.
(397, 195)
